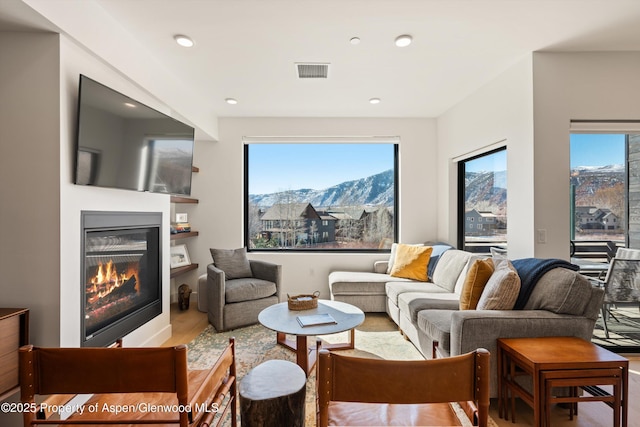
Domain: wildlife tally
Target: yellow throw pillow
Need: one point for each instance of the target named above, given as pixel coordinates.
(477, 277)
(411, 262)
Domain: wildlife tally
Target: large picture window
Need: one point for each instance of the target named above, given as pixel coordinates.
(598, 181)
(482, 204)
(321, 196)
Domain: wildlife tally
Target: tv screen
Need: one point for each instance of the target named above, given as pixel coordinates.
(122, 143)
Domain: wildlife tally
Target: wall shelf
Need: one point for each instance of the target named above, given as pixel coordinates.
(180, 270)
(180, 199)
(178, 236)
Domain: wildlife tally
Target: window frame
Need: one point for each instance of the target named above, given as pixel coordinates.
(396, 202)
(461, 215)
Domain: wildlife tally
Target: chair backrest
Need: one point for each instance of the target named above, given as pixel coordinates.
(452, 379)
(121, 371)
(622, 283)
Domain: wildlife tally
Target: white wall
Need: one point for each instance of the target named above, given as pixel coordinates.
(498, 114)
(573, 86)
(73, 199)
(219, 186)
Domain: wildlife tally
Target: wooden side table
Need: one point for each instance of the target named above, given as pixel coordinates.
(14, 333)
(557, 362)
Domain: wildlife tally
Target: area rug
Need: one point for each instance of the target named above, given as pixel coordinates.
(377, 337)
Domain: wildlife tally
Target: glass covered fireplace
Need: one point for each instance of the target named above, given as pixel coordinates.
(121, 274)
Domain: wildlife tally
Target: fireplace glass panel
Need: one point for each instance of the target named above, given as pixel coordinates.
(121, 281)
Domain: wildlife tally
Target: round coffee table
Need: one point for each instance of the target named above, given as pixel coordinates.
(285, 322)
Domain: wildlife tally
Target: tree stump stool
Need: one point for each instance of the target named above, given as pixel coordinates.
(273, 394)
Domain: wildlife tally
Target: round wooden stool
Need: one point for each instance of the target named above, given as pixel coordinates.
(273, 394)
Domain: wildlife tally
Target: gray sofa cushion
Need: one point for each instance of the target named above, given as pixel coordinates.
(395, 289)
(233, 262)
(449, 267)
(561, 291)
(438, 250)
(359, 283)
(410, 303)
(248, 289)
(437, 325)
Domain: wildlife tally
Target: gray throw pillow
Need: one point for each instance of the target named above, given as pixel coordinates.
(233, 262)
(503, 287)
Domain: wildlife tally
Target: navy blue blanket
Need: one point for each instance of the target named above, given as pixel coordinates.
(531, 270)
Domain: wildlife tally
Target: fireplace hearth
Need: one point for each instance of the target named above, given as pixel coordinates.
(121, 274)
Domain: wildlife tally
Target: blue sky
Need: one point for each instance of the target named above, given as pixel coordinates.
(281, 167)
(586, 150)
(597, 149)
(494, 162)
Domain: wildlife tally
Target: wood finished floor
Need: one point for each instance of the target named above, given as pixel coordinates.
(188, 324)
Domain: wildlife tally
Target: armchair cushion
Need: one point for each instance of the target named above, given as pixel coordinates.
(248, 289)
(233, 262)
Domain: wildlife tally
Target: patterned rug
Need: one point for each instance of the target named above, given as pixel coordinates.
(377, 337)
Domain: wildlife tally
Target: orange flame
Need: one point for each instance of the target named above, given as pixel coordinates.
(107, 280)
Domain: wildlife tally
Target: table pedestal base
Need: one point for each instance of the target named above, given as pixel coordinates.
(306, 355)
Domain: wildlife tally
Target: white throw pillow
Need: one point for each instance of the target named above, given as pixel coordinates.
(503, 287)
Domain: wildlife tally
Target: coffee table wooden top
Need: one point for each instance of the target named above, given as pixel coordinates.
(557, 352)
(279, 318)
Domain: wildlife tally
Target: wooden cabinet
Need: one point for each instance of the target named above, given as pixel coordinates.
(14, 333)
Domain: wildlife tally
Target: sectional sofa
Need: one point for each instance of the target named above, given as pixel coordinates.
(562, 303)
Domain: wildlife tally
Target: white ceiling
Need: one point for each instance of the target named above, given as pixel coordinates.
(246, 49)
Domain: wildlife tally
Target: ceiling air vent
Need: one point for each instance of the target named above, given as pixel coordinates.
(312, 70)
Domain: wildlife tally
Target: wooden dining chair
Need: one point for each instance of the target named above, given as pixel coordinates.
(358, 391)
(145, 385)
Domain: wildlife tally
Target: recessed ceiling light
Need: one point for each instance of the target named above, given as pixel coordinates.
(183, 41)
(231, 101)
(374, 101)
(404, 40)
(355, 40)
(130, 105)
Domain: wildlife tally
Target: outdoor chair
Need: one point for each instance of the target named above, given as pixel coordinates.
(621, 284)
(129, 386)
(357, 391)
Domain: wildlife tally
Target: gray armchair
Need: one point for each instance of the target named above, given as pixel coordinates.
(233, 303)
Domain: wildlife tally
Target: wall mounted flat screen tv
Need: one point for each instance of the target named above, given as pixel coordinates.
(122, 143)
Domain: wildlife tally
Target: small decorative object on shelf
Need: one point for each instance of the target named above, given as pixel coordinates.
(303, 302)
(179, 256)
(183, 227)
(184, 293)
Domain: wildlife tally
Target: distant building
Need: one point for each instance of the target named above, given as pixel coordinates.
(479, 222)
(297, 223)
(594, 218)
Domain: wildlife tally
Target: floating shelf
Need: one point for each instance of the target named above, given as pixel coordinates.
(180, 199)
(178, 236)
(180, 270)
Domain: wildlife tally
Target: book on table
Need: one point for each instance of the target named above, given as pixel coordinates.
(316, 320)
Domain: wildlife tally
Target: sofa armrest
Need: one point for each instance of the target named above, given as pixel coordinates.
(380, 267)
(267, 271)
(215, 293)
(471, 329)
